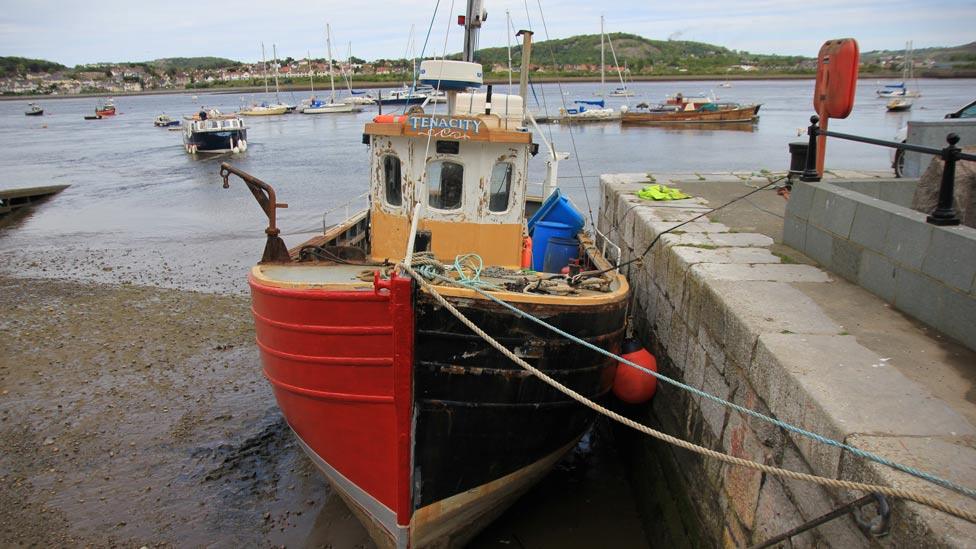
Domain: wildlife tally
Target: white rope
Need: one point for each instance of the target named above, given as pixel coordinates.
(786, 473)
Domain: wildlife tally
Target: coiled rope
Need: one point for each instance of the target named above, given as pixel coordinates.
(824, 481)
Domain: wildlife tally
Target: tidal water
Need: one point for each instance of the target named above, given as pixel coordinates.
(141, 210)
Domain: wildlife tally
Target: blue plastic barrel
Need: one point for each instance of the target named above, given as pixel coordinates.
(559, 252)
(557, 209)
(544, 230)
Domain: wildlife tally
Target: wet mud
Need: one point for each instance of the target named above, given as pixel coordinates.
(135, 416)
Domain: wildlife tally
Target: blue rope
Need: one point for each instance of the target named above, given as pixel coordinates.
(809, 434)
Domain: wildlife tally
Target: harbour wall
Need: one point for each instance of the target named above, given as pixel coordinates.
(867, 233)
(724, 314)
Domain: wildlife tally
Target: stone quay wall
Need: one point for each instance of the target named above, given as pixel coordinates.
(722, 314)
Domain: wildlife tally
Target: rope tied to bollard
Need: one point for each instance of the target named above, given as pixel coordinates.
(777, 471)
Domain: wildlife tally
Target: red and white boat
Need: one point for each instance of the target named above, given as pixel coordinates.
(106, 108)
(426, 431)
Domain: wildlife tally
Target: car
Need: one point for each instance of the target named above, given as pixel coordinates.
(969, 111)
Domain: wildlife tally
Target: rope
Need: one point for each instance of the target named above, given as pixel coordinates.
(834, 483)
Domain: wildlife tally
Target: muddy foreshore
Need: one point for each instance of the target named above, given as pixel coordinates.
(135, 416)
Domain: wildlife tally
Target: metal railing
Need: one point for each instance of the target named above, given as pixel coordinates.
(944, 214)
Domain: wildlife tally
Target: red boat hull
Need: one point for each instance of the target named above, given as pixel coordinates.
(105, 112)
(340, 363)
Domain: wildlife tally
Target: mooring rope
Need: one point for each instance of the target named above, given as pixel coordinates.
(786, 473)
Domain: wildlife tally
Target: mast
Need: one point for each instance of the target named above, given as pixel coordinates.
(603, 78)
(508, 36)
(524, 70)
(473, 18)
(348, 75)
(328, 47)
(264, 67)
(274, 50)
(311, 73)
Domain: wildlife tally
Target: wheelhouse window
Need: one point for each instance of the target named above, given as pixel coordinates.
(500, 190)
(392, 182)
(445, 181)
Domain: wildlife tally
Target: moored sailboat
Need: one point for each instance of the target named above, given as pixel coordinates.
(423, 428)
(321, 107)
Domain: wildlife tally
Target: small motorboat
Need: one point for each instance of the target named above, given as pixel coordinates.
(93, 117)
(165, 121)
(899, 104)
(33, 109)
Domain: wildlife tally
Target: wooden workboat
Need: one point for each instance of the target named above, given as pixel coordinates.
(699, 114)
(425, 430)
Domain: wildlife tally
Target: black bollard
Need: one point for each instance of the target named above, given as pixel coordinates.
(810, 170)
(944, 214)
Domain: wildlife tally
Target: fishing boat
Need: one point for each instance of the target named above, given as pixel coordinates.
(105, 108)
(899, 104)
(331, 106)
(213, 132)
(426, 431)
(165, 121)
(33, 109)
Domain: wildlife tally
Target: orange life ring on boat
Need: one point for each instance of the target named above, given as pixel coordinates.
(389, 118)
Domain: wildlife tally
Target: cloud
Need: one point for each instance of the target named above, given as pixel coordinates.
(74, 32)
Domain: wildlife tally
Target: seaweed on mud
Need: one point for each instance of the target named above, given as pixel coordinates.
(249, 467)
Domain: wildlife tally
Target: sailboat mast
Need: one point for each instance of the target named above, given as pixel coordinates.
(311, 73)
(328, 47)
(264, 67)
(508, 35)
(274, 50)
(348, 75)
(603, 78)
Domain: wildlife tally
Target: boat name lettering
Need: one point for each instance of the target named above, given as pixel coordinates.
(428, 122)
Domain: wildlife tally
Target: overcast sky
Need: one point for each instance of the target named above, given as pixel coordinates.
(73, 32)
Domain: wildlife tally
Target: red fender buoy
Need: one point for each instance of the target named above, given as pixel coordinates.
(630, 384)
(526, 259)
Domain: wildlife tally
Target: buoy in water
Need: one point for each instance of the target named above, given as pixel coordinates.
(630, 384)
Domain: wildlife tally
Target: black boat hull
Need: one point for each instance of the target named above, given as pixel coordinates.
(478, 415)
(215, 142)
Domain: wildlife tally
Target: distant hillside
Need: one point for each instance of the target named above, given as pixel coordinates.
(965, 52)
(14, 66)
(193, 63)
(638, 53)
